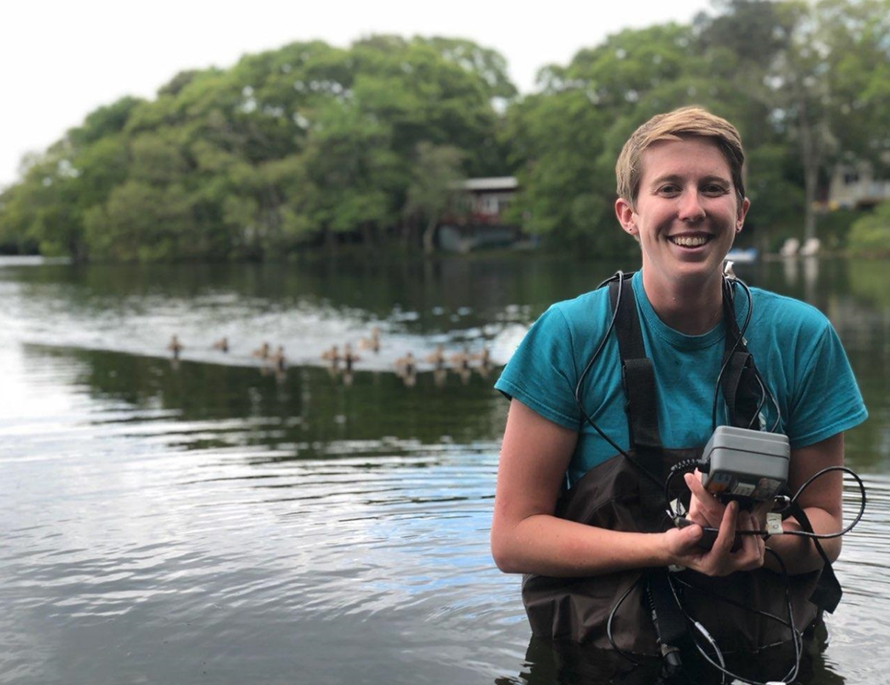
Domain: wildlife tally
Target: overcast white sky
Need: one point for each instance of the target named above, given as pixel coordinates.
(61, 60)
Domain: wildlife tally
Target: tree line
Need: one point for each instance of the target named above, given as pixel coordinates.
(315, 145)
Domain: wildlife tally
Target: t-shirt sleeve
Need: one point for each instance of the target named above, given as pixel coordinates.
(827, 400)
(541, 373)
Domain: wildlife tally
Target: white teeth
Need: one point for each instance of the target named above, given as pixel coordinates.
(689, 240)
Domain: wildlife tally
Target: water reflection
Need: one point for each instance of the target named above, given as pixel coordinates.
(303, 409)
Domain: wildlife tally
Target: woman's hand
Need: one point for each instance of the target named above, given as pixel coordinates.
(707, 510)
(725, 557)
(730, 552)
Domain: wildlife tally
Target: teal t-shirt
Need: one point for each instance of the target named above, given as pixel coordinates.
(796, 350)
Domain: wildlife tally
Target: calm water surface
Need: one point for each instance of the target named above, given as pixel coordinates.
(208, 521)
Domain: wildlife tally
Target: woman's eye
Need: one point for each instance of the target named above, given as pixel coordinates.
(714, 189)
(669, 190)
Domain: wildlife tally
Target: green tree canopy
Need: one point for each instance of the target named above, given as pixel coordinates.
(288, 147)
(311, 144)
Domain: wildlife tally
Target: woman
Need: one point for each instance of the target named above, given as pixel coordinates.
(681, 196)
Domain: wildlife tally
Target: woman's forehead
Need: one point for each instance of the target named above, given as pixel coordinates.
(682, 157)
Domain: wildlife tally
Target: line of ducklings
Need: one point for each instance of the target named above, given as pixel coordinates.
(342, 362)
(276, 361)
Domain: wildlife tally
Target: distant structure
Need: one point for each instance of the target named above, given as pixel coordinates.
(789, 247)
(477, 217)
(854, 186)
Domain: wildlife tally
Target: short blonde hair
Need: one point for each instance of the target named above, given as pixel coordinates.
(676, 125)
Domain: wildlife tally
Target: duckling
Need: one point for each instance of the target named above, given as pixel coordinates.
(371, 343)
(348, 357)
(407, 365)
(483, 370)
(332, 355)
(461, 360)
(222, 345)
(484, 357)
(437, 358)
(175, 346)
(278, 360)
(262, 352)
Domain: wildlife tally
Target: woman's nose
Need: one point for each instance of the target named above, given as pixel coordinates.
(691, 208)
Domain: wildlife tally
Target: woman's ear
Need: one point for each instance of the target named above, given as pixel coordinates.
(742, 213)
(625, 214)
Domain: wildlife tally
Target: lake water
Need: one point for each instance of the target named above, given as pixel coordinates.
(208, 520)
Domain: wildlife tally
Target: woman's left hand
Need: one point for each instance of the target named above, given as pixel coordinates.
(729, 553)
(706, 510)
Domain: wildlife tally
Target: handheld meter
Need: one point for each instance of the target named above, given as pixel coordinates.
(744, 463)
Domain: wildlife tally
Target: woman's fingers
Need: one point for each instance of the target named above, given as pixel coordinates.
(704, 508)
(753, 546)
(726, 534)
(731, 552)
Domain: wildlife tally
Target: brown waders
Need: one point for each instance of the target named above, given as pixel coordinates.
(617, 495)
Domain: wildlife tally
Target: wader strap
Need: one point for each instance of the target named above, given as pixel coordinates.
(741, 390)
(828, 592)
(637, 374)
(670, 624)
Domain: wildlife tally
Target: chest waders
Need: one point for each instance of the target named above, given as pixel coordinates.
(616, 495)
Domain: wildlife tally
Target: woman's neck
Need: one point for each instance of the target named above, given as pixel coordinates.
(690, 308)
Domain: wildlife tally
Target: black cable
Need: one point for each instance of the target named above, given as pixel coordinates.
(612, 617)
(765, 391)
(856, 520)
(727, 292)
(579, 386)
(675, 469)
(727, 600)
(756, 416)
(796, 637)
(764, 386)
(800, 533)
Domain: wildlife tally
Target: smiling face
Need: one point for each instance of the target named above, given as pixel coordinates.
(686, 213)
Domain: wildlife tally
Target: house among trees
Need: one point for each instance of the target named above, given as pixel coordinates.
(477, 216)
(854, 186)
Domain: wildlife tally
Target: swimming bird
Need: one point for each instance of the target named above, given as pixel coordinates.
(461, 360)
(371, 343)
(175, 346)
(348, 357)
(262, 352)
(278, 360)
(484, 357)
(406, 365)
(332, 355)
(437, 358)
(222, 345)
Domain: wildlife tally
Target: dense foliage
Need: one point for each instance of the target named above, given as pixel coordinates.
(870, 235)
(312, 144)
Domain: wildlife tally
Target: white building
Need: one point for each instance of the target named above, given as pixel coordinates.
(854, 185)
